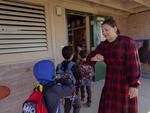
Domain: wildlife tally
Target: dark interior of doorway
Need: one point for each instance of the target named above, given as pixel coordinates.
(76, 30)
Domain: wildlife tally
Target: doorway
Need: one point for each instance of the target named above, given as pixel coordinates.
(78, 29)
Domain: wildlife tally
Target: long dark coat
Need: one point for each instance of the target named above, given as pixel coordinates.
(123, 71)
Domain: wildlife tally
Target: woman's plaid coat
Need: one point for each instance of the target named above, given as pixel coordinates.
(123, 71)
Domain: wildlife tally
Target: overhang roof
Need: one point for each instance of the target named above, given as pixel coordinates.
(127, 7)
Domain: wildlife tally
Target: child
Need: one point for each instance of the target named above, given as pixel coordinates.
(87, 75)
(72, 69)
(44, 72)
(78, 48)
(76, 59)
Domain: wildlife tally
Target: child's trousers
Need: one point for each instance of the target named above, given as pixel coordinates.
(89, 93)
(68, 104)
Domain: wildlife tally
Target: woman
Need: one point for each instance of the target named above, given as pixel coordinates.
(119, 94)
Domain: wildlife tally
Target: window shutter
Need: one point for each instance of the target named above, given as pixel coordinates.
(22, 27)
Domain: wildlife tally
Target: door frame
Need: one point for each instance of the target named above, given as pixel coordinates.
(87, 25)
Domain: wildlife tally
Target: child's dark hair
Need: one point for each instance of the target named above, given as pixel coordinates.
(67, 52)
(112, 23)
(76, 47)
(83, 53)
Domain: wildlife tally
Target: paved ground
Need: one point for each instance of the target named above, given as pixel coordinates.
(144, 97)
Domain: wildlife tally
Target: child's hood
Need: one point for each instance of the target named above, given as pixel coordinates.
(44, 71)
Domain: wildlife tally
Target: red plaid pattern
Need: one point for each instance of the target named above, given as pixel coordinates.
(123, 71)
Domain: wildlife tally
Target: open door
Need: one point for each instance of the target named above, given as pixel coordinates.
(96, 30)
(78, 29)
(97, 37)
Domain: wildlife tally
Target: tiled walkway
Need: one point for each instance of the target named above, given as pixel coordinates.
(144, 97)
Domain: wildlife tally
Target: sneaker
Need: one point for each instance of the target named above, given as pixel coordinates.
(88, 104)
(82, 99)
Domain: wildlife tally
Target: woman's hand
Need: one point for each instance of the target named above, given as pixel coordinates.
(133, 92)
(97, 57)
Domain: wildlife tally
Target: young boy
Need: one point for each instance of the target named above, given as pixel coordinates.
(87, 75)
(72, 68)
(44, 72)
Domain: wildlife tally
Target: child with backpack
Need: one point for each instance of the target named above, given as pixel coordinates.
(47, 94)
(70, 69)
(87, 77)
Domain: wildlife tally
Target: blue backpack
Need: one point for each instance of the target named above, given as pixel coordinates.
(63, 73)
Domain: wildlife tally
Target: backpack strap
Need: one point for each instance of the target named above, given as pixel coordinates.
(48, 86)
(59, 70)
(70, 65)
(60, 67)
(43, 88)
(38, 87)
